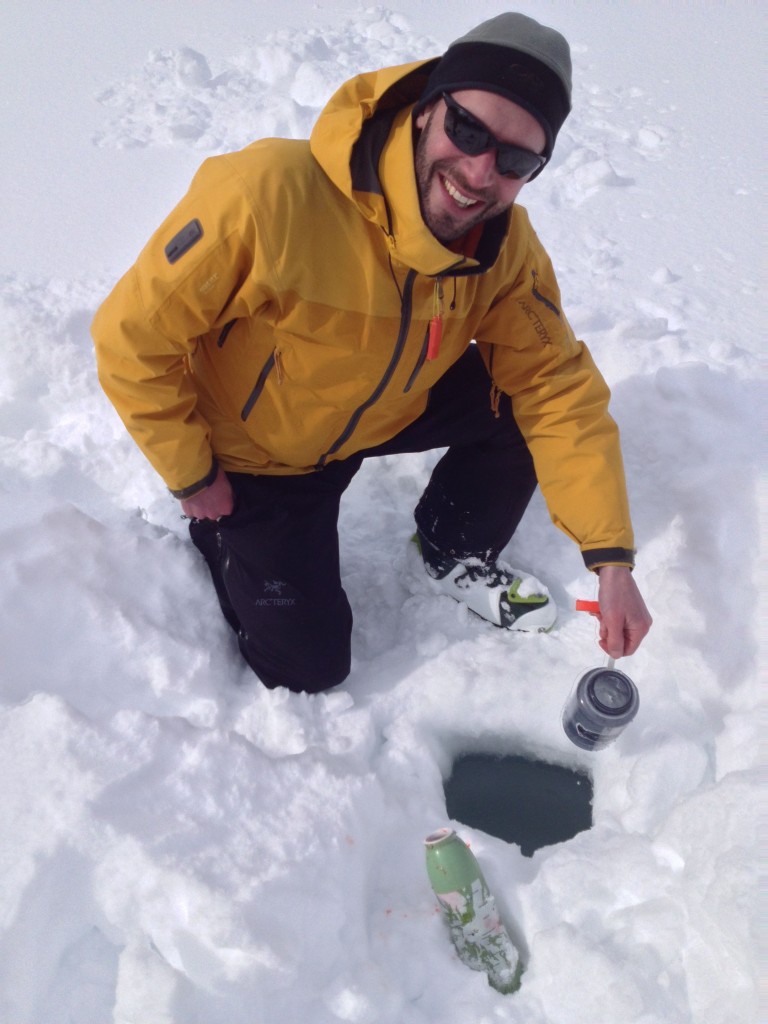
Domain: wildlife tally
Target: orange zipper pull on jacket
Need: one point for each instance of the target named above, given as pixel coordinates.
(435, 337)
(436, 323)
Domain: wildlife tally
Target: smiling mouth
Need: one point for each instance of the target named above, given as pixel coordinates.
(458, 197)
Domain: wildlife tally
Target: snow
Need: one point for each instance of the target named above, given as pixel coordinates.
(181, 845)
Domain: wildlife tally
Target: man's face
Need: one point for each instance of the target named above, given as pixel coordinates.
(457, 191)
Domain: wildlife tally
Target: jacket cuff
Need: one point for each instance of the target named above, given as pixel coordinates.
(189, 492)
(608, 556)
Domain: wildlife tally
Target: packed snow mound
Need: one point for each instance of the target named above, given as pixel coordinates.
(276, 87)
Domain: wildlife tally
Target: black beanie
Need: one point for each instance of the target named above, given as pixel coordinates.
(516, 57)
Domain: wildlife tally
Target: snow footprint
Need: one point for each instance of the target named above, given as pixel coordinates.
(583, 173)
(651, 141)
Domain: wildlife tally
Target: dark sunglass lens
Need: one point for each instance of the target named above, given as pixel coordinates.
(465, 132)
(474, 139)
(517, 163)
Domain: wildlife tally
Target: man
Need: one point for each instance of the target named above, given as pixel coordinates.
(374, 291)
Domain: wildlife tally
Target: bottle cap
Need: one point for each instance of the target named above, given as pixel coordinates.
(610, 692)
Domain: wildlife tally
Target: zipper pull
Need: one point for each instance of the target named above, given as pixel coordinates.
(436, 323)
(279, 366)
(495, 398)
(435, 337)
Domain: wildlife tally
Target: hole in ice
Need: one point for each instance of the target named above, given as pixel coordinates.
(531, 803)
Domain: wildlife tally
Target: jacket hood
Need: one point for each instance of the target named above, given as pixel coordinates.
(363, 140)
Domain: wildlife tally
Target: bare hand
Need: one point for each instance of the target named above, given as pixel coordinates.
(212, 503)
(624, 618)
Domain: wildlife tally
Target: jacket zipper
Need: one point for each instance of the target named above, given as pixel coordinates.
(405, 323)
(419, 362)
(542, 298)
(224, 332)
(258, 387)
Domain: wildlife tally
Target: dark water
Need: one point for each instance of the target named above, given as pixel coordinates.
(531, 803)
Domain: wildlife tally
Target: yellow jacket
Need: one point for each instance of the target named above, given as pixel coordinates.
(278, 319)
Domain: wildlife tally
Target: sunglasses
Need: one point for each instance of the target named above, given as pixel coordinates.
(472, 137)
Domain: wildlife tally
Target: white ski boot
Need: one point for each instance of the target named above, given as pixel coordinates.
(495, 591)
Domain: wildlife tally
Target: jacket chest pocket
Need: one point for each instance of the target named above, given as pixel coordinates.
(271, 365)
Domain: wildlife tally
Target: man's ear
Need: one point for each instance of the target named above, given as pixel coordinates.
(423, 117)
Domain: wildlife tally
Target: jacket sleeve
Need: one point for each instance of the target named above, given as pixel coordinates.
(560, 402)
(200, 270)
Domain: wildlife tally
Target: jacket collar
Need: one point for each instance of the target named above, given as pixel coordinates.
(365, 143)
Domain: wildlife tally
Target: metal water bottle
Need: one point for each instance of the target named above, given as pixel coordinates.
(603, 702)
(481, 940)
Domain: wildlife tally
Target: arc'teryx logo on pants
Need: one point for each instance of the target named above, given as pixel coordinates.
(275, 587)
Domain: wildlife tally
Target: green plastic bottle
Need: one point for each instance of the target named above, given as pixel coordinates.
(481, 940)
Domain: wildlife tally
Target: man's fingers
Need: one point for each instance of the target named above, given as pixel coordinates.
(613, 636)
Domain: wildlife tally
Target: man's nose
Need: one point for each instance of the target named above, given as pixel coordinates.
(480, 170)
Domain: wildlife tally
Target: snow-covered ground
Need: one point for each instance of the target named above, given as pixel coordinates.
(180, 845)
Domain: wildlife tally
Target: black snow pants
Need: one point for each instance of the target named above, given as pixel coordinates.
(275, 560)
